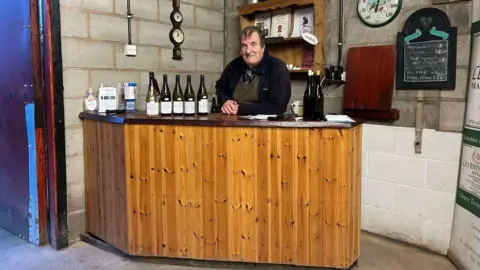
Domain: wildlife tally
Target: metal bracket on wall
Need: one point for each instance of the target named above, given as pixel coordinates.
(419, 123)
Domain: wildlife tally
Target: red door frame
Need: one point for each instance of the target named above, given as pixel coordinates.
(39, 122)
(55, 128)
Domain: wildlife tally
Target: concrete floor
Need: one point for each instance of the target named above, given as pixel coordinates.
(377, 253)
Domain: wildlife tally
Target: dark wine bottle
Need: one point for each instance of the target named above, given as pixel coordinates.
(319, 99)
(309, 98)
(151, 105)
(165, 98)
(177, 97)
(189, 98)
(202, 97)
(215, 106)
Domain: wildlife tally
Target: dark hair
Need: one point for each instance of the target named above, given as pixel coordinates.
(249, 30)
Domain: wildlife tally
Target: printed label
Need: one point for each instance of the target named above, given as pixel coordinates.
(166, 107)
(177, 107)
(189, 107)
(203, 106)
(152, 108)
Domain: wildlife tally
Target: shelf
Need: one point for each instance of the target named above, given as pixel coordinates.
(282, 40)
(271, 5)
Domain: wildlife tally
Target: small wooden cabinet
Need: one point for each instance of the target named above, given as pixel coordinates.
(291, 50)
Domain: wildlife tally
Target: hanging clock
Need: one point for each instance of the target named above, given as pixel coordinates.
(376, 13)
(176, 34)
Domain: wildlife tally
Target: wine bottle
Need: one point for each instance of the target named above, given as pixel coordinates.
(165, 98)
(189, 98)
(152, 98)
(319, 99)
(308, 99)
(214, 105)
(177, 97)
(202, 97)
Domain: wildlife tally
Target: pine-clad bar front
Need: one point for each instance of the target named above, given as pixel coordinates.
(223, 188)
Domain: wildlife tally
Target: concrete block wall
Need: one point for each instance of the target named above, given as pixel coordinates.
(406, 196)
(444, 110)
(94, 33)
(410, 196)
(476, 10)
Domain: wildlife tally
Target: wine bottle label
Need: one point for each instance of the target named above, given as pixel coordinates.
(177, 107)
(166, 107)
(189, 107)
(152, 108)
(203, 106)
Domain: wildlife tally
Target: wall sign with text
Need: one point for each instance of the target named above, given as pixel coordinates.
(427, 52)
(465, 241)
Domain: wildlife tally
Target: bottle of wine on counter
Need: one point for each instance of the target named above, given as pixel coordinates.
(177, 97)
(152, 98)
(202, 97)
(319, 99)
(165, 98)
(309, 99)
(215, 106)
(189, 98)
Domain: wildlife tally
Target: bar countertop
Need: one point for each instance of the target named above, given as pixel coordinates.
(212, 119)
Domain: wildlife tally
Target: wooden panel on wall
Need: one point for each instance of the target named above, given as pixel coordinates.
(287, 196)
(105, 185)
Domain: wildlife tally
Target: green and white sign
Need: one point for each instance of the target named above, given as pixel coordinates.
(465, 242)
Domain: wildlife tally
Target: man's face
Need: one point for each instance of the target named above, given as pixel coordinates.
(251, 50)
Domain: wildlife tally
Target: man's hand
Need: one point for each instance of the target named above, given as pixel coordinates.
(230, 107)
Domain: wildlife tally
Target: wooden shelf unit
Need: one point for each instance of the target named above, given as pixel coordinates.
(289, 49)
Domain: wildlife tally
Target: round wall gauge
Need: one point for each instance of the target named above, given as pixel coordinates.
(177, 36)
(376, 13)
(177, 17)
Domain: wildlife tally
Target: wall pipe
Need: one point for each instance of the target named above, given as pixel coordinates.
(129, 18)
(341, 22)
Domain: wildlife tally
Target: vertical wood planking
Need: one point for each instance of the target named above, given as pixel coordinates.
(317, 233)
(197, 185)
(302, 196)
(287, 179)
(288, 196)
(169, 172)
(274, 202)
(263, 183)
(208, 192)
(105, 191)
(222, 183)
(234, 191)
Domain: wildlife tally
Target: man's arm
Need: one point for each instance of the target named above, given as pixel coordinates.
(280, 93)
(221, 86)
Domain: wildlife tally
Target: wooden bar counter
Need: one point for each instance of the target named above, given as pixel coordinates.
(225, 189)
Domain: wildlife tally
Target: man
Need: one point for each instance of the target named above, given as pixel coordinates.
(255, 82)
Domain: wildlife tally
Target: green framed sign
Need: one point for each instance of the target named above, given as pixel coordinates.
(465, 241)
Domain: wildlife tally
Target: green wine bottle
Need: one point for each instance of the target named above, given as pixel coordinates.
(165, 98)
(152, 97)
(177, 97)
(202, 97)
(189, 98)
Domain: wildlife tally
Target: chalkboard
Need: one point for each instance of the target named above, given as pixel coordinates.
(427, 52)
(426, 61)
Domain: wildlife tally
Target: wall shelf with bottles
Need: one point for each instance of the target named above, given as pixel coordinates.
(282, 21)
